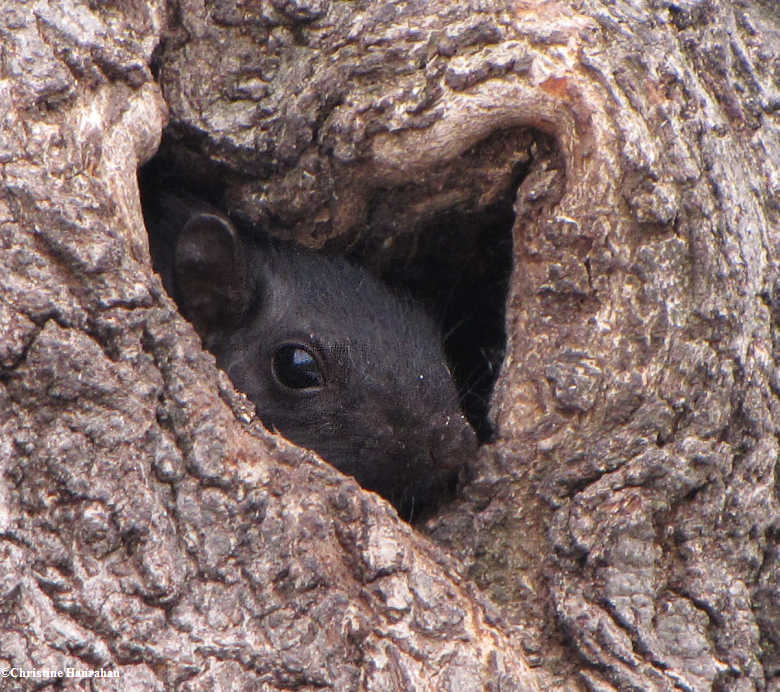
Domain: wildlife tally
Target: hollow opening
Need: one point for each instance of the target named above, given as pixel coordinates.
(446, 239)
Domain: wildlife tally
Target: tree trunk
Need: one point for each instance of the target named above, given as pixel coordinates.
(618, 528)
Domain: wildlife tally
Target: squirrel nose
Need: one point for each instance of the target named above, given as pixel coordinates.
(453, 441)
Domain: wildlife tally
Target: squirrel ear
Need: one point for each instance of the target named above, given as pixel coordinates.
(210, 271)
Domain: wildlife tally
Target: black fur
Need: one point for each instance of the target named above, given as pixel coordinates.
(388, 411)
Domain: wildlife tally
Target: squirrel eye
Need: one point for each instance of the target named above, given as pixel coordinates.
(295, 367)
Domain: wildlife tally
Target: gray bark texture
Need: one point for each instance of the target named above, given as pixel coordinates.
(620, 529)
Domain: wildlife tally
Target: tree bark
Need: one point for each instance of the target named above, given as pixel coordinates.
(623, 518)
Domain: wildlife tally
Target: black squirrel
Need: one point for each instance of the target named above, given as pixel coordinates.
(332, 358)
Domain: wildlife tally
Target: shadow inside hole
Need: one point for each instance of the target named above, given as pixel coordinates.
(459, 265)
(476, 275)
(461, 271)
